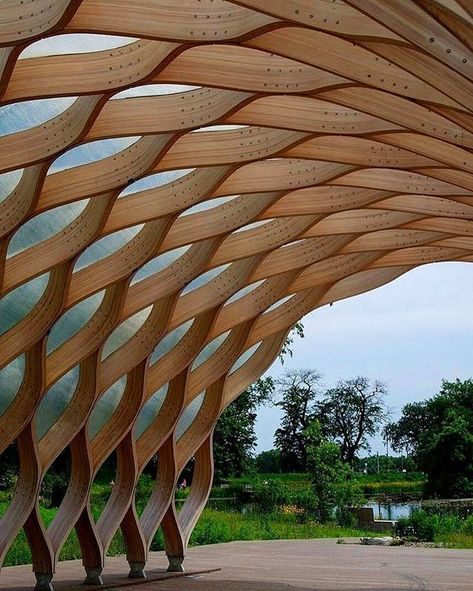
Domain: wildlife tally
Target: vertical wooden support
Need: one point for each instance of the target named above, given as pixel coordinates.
(345, 162)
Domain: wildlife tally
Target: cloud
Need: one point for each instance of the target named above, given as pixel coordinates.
(411, 333)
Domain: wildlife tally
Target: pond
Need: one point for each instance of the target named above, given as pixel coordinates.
(381, 509)
(392, 510)
(384, 507)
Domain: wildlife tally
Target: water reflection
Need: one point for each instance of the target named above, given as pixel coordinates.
(381, 510)
(392, 511)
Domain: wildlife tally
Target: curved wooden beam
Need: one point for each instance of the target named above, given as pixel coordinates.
(344, 161)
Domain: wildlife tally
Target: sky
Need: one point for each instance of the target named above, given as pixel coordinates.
(411, 334)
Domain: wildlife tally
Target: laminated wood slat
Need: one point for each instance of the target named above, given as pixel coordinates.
(324, 150)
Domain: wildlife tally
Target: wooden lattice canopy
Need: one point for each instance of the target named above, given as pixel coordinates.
(150, 273)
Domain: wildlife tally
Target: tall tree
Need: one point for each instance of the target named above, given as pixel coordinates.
(297, 391)
(234, 435)
(333, 480)
(439, 432)
(351, 412)
(269, 462)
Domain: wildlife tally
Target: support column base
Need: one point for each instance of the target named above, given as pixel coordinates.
(175, 564)
(137, 570)
(43, 582)
(93, 575)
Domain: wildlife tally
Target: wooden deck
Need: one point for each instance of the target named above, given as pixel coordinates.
(307, 565)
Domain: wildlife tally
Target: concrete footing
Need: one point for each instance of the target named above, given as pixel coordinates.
(93, 575)
(44, 582)
(175, 564)
(137, 570)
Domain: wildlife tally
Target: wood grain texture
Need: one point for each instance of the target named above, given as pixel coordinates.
(150, 241)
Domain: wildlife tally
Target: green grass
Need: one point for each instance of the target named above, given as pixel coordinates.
(450, 529)
(457, 540)
(216, 527)
(19, 552)
(392, 476)
(213, 527)
(294, 481)
(391, 483)
(287, 477)
(371, 484)
(224, 526)
(401, 487)
(219, 525)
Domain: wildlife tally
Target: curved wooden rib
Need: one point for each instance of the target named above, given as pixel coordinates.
(351, 164)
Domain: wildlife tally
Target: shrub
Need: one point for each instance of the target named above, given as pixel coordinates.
(269, 461)
(333, 480)
(468, 526)
(426, 527)
(9, 466)
(454, 507)
(269, 495)
(53, 488)
(305, 504)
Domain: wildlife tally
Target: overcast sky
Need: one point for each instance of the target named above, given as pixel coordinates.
(410, 333)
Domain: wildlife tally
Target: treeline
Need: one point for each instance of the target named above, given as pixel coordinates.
(346, 415)
(434, 436)
(438, 433)
(269, 462)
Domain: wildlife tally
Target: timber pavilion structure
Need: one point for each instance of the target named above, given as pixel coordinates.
(180, 182)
